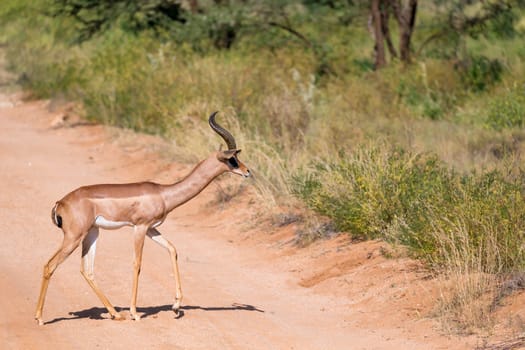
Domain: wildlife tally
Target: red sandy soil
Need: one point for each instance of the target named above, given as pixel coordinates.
(246, 285)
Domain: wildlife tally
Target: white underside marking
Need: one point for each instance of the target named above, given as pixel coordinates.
(55, 213)
(88, 260)
(102, 222)
(157, 223)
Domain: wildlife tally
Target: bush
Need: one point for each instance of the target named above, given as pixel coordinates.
(368, 192)
(45, 65)
(508, 110)
(126, 86)
(415, 200)
(479, 72)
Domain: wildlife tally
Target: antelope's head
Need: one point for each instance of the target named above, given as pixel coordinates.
(230, 156)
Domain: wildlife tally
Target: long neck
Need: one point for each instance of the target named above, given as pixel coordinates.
(180, 192)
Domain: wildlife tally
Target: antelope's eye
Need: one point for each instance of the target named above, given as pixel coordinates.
(233, 162)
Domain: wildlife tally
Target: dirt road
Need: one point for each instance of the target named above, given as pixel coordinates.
(240, 292)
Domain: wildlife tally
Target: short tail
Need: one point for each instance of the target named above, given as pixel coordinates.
(57, 219)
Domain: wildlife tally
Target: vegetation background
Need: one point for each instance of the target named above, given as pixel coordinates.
(393, 119)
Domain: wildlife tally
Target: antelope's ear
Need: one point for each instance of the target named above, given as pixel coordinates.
(227, 154)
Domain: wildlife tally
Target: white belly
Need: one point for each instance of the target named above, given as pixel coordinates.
(102, 222)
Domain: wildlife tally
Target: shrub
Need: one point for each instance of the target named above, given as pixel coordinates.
(415, 200)
(46, 66)
(479, 72)
(508, 110)
(370, 191)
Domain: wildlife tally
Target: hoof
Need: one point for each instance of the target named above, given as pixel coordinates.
(135, 317)
(176, 309)
(178, 313)
(117, 317)
(39, 321)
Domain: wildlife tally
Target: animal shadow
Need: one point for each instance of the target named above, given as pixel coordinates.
(101, 313)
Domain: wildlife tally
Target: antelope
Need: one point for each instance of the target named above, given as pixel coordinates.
(143, 206)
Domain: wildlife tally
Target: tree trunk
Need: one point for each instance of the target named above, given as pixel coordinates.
(406, 17)
(379, 48)
(194, 6)
(384, 27)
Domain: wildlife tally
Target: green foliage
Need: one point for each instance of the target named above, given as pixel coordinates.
(44, 63)
(415, 200)
(478, 17)
(508, 110)
(130, 95)
(503, 25)
(430, 90)
(368, 191)
(93, 16)
(478, 73)
(425, 101)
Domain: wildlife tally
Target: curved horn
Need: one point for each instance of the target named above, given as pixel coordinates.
(225, 134)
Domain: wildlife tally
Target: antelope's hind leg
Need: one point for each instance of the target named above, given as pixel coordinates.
(87, 269)
(69, 244)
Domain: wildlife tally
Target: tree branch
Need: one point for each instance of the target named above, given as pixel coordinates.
(292, 31)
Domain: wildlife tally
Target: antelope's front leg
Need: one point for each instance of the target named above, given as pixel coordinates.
(155, 235)
(140, 235)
